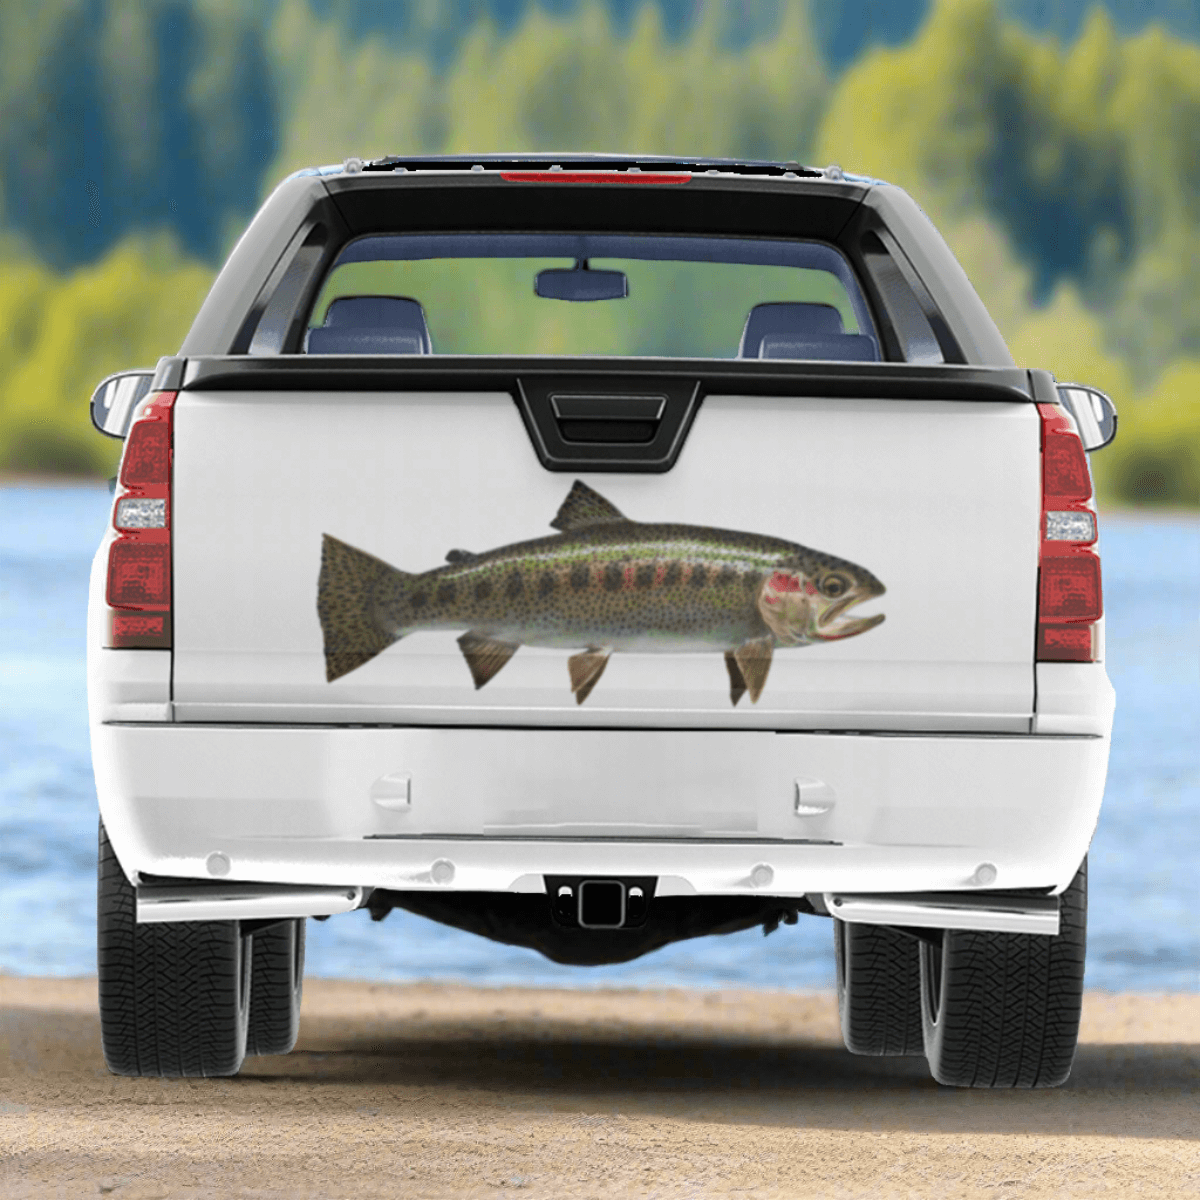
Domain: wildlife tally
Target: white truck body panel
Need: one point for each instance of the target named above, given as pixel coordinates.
(319, 806)
(939, 499)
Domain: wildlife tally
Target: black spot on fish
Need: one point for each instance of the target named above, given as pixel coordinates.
(699, 575)
(419, 599)
(516, 585)
(580, 576)
(674, 572)
(752, 579)
(483, 589)
(645, 575)
(727, 576)
(546, 583)
(446, 591)
(614, 576)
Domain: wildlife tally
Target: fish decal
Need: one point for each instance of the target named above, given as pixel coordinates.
(603, 583)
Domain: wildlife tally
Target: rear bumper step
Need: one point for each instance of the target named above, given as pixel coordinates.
(202, 901)
(997, 914)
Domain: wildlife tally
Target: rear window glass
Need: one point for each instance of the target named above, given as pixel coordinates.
(671, 297)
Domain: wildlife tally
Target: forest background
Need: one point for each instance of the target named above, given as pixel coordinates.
(1055, 143)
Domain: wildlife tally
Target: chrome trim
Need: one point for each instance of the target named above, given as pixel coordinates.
(995, 914)
(241, 901)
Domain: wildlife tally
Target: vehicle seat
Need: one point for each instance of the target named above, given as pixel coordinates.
(371, 325)
(805, 331)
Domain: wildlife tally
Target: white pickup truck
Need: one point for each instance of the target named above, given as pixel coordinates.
(511, 541)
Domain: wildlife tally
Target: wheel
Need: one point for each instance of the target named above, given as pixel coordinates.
(276, 981)
(1002, 1009)
(174, 998)
(879, 989)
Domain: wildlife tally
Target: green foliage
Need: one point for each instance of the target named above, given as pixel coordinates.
(62, 334)
(1067, 181)
(1156, 456)
(1065, 176)
(552, 84)
(124, 115)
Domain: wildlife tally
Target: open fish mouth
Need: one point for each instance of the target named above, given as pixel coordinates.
(834, 624)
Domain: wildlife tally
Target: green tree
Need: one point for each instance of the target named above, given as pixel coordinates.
(64, 334)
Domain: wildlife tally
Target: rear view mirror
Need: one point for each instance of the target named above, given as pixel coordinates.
(1095, 414)
(115, 399)
(580, 282)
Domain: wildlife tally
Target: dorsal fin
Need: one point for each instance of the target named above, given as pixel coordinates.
(584, 507)
(461, 556)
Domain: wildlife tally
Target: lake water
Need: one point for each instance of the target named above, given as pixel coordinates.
(1144, 927)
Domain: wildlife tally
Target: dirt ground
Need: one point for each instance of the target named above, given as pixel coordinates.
(444, 1091)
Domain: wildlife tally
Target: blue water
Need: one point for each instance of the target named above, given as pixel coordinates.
(1144, 931)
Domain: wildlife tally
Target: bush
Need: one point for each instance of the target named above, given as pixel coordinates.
(62, 334)
(1155, 459)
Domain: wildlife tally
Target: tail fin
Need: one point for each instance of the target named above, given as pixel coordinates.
(349, 591)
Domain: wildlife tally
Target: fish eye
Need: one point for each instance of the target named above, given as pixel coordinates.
(834, 585)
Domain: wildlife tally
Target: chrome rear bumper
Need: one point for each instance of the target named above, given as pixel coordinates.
(998, 914)
(201, 901)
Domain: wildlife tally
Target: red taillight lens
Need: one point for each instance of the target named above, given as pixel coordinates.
(139, 631)
(1066, 643)
(595, 176)
(139, 559)
(1064, 469)
(139, 573)
(1070, 588)
(1069, 593)
(147, 458)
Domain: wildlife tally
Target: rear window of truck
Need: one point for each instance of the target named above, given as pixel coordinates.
(591, 294)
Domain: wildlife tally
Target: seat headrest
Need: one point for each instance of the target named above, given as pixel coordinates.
(371, 325)
(794, 321)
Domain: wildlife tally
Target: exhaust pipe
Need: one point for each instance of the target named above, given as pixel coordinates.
(200, 901)
(994, 914)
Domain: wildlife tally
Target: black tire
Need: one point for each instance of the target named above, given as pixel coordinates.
(276, 982)
(174, 998)
(1002, 1009)
(879, 989)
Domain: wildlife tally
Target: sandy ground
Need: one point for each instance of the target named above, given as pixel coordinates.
(446, 1091)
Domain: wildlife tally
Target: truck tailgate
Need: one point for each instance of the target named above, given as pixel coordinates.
(937, 499)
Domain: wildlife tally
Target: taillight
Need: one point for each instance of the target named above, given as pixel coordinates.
(1069, 595)
(138, 590)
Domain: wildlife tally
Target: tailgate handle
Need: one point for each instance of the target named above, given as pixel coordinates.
(609, 419)
(606, 421)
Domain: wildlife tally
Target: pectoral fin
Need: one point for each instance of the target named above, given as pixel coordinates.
(485, 655)
(737, 682)
(753, 659)
(586, 669)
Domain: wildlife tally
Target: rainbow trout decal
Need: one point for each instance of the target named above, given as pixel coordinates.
(603, 583)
